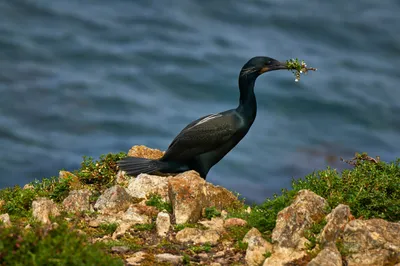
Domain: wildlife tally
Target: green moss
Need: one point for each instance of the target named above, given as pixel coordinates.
(179, 227)
(155, 200)
(100, 173)
(267, 254)
(41, 246)
(144, 227)
(212, 212)
(108, 228)
(201, 248)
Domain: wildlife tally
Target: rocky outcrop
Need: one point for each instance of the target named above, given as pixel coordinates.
(163, 224)
(113, 200)
(372, 242)
(329, 256)
(198, 236)
(43, 208)
(336, 222)
(77, 200)
(5, 219)
(145, 185)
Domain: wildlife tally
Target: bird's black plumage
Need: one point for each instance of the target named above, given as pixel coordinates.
(205, 141)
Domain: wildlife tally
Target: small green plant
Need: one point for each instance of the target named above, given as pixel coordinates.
(156, 201)
(241, 245)
(108, 228)
(144, 227)
(212, 212)
(298, 67)
(186, 259)
(18, 201)
(42, 246)
(179, 227)
(267, 254)
(102, 172)
(203, 248)
(312, 233)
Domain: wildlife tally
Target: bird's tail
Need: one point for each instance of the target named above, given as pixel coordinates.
(135, 166)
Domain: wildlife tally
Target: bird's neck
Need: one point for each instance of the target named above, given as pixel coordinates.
(247, 102)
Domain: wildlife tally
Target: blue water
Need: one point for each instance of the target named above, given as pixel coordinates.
(91, 77)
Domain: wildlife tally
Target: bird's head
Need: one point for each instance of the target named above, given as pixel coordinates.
(261, 64)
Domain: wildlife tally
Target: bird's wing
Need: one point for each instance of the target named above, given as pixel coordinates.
(203, 135)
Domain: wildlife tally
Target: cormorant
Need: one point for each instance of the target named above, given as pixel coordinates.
(205, 141)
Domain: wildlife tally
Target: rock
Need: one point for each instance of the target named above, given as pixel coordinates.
(94, 223)
(138, 214)
(336, 222)
(372, 242)
(163, 224)
(113, 200)
(328, 256)
(189, 194)
(186, 192)
(215, 264)
(122, 179)
(136, 258)
(73, 180)
(2, 203)
(169, 258)
(197, 236)
(120, 249)
(121, 229)
(251, 233)
(5, 219)
(43, 208)
(257, 247)
(219, 254)
(145, 152)
(224, 214)
(234, 222)
(202, 256)
(286, 257)
(144, 185)
(215, 223)
(306, 209)
(77, 200)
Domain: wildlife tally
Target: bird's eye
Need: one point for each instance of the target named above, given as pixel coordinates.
(269, 62)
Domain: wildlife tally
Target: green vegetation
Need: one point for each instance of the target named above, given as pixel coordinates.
(43, 246)
(100, 173)
(144, 227)
(212, 212)
(298, 67)
(201, 248)
(312, 233)
(108, 228)
(155, 200)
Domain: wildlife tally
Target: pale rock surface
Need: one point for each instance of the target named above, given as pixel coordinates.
(257, 247)
(306, 209)
(163, 223)
(336, 222)
(197, 236)
(169, 258)
(77, 200)
(328, 256)
(372, 242)
(136, 258)
(113, 200)
(144, 185)
(215, 223)
(234, 222)
(5, 219)
(43, 208)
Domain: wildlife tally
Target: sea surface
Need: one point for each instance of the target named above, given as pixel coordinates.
(92, 77)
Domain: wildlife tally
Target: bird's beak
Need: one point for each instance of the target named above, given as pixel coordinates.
(276, 66)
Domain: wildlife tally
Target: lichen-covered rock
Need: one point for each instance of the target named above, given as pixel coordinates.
(234, 222)
(197, 236)
(73, 180)
(336, 222)
(215, 223)
(145, 152)
(169, 258)
(77, 200)
(122, 228)
(144, 185)
(257, 247)
(286, 257)
(5, 219)
(372, 242)
(43, 208)
(163, 223)
(306, 209)
(189, 194)
(136, 258)
(251, 233)
(113, 200)
(186, 192)
(328, 256)
(138, 214)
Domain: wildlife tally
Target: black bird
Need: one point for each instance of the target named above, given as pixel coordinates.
(205, 141)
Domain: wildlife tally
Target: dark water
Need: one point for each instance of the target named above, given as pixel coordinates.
(91, 77)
